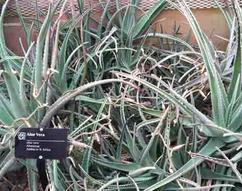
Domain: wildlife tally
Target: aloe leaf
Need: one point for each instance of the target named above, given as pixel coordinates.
(231, 106)
(74, 181)
(9, 76)
(54, 61)
(72, 94)
(180, 101)
(7, 163)
(23, 24)
(6, 114)
(16, 102)
(166, 36)
(154, 135)
(126, 167)
(235, 121)
(64, 72)
(125, 183)
(90, 100)
(120, 144)
(5, 117)
(56, 179)
(129, 18)
(237, 157)
(208, 174)
(214, 187)
(207, 150)
(237, 67)
(32, 174)
(62, 57)
(102, 19)
(87, 154)
(145, 21)
(132, 147)
(226, 15)
(80, 4)
(232, 165)
(39, 50)
(8, 58)
(218, 94)
(22, 77)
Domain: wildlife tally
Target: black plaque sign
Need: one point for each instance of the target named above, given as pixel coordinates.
(41, 143)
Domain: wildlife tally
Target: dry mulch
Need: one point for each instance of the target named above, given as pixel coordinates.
(15, 181)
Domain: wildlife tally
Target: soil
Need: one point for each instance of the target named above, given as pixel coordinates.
(15, 181)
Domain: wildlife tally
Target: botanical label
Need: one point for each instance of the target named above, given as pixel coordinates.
(41, 143)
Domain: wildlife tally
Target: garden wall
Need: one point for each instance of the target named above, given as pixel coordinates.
(210, 18)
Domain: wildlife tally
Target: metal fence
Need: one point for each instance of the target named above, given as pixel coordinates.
(30, 7)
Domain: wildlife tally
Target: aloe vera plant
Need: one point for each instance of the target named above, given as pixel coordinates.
(224, 126)
(33, 91)
(28, 97)
(134, 112)
(221, 127)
